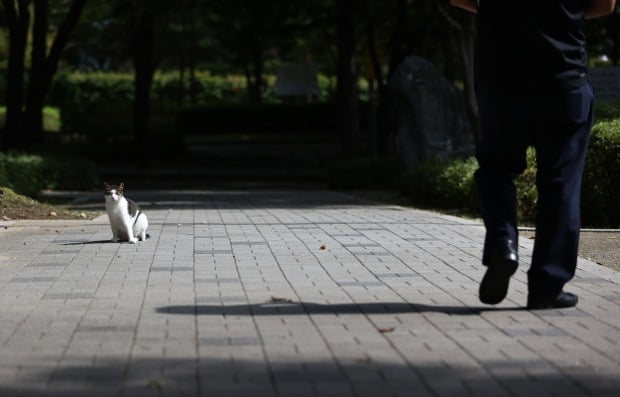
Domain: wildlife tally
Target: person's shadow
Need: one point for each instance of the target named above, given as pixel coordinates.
(300, 308)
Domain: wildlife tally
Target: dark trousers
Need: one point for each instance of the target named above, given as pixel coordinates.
(557, 124)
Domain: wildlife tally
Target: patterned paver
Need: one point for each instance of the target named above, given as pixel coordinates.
(298, 293)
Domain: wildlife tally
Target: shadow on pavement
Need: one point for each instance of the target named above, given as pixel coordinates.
(294, 308)
(361, 376)
(232, 199)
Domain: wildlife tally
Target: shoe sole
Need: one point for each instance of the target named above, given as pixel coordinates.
(494, 285)
(562, 304)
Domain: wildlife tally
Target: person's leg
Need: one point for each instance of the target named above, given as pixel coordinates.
(561, 143)
(501, 157)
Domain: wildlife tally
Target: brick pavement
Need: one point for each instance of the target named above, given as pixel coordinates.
(290, 293)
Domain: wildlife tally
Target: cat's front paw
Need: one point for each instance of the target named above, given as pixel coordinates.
(133, 240)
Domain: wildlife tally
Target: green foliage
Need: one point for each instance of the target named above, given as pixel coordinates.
(449, 185)
(365, 173)
(25, 173)
(601, 188)
(28, 174)
(527, 194)
(605, 111)
(442, 184)
(4, 174)
(51, 119)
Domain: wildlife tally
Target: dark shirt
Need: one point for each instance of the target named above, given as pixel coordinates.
(531, 43)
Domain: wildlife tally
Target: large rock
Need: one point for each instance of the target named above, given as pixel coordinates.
(430, 116)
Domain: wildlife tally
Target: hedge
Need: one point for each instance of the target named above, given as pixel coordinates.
(449, 185)
(601, 187)
(28, 174)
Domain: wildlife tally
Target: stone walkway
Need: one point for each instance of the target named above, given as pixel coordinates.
(291, 293)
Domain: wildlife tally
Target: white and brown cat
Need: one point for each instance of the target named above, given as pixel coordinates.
(128, 222)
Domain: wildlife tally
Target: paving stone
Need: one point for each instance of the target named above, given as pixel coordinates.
(288, 293)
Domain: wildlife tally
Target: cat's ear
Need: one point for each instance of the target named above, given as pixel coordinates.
(106, 185)
(121, 187)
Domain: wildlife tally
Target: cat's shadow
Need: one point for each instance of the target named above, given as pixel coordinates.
(94, 242)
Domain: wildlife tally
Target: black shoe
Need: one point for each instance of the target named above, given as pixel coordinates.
(563, 300)
(500, 267)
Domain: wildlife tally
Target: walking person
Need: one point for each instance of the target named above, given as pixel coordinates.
(532, 89)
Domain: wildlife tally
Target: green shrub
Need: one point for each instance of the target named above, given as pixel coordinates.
(443, 184)
(449, 185)
(4, 176)
(600, 185)
(527, 194)
(25, 173)
(606, 111)
(28, 174)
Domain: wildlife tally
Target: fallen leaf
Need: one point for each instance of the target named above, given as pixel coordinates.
(386, 330)
(364, 360)
(83, 215)
(155, 384)
(322, 247)
(532, 237)
(58, 231)
(277, 299)
(6, 218)
(53, 213)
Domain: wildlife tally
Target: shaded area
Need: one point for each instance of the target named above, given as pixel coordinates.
(222, 199)
(297, 308)
(350, 377)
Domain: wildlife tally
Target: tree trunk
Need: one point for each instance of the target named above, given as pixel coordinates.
(144, 66)
(465, 26)
(33, 113)
(347, 80)
(372, 47)
(43, 69)
(466, 36)
(613, 24)
(256, 72)
(193, 85)
(17, 21)
(398, 48)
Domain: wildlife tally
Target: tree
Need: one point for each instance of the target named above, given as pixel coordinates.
(464, 24)
(142, 50)
(17, 19)
(347, 100)
(24, 120)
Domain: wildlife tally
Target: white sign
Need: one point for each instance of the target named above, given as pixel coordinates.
(606, 83)
(296, 79)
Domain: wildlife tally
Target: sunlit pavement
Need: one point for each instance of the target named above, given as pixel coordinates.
(287, 293)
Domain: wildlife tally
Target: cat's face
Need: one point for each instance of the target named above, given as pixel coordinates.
(113, 193)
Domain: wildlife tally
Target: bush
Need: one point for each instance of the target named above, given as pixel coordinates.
(449, 185)
(25, 173)
(443, 184)
(600, 185)
(28, 174)
(607, 111)
(365, 173)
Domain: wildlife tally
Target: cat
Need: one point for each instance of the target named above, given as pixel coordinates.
(128, 222)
